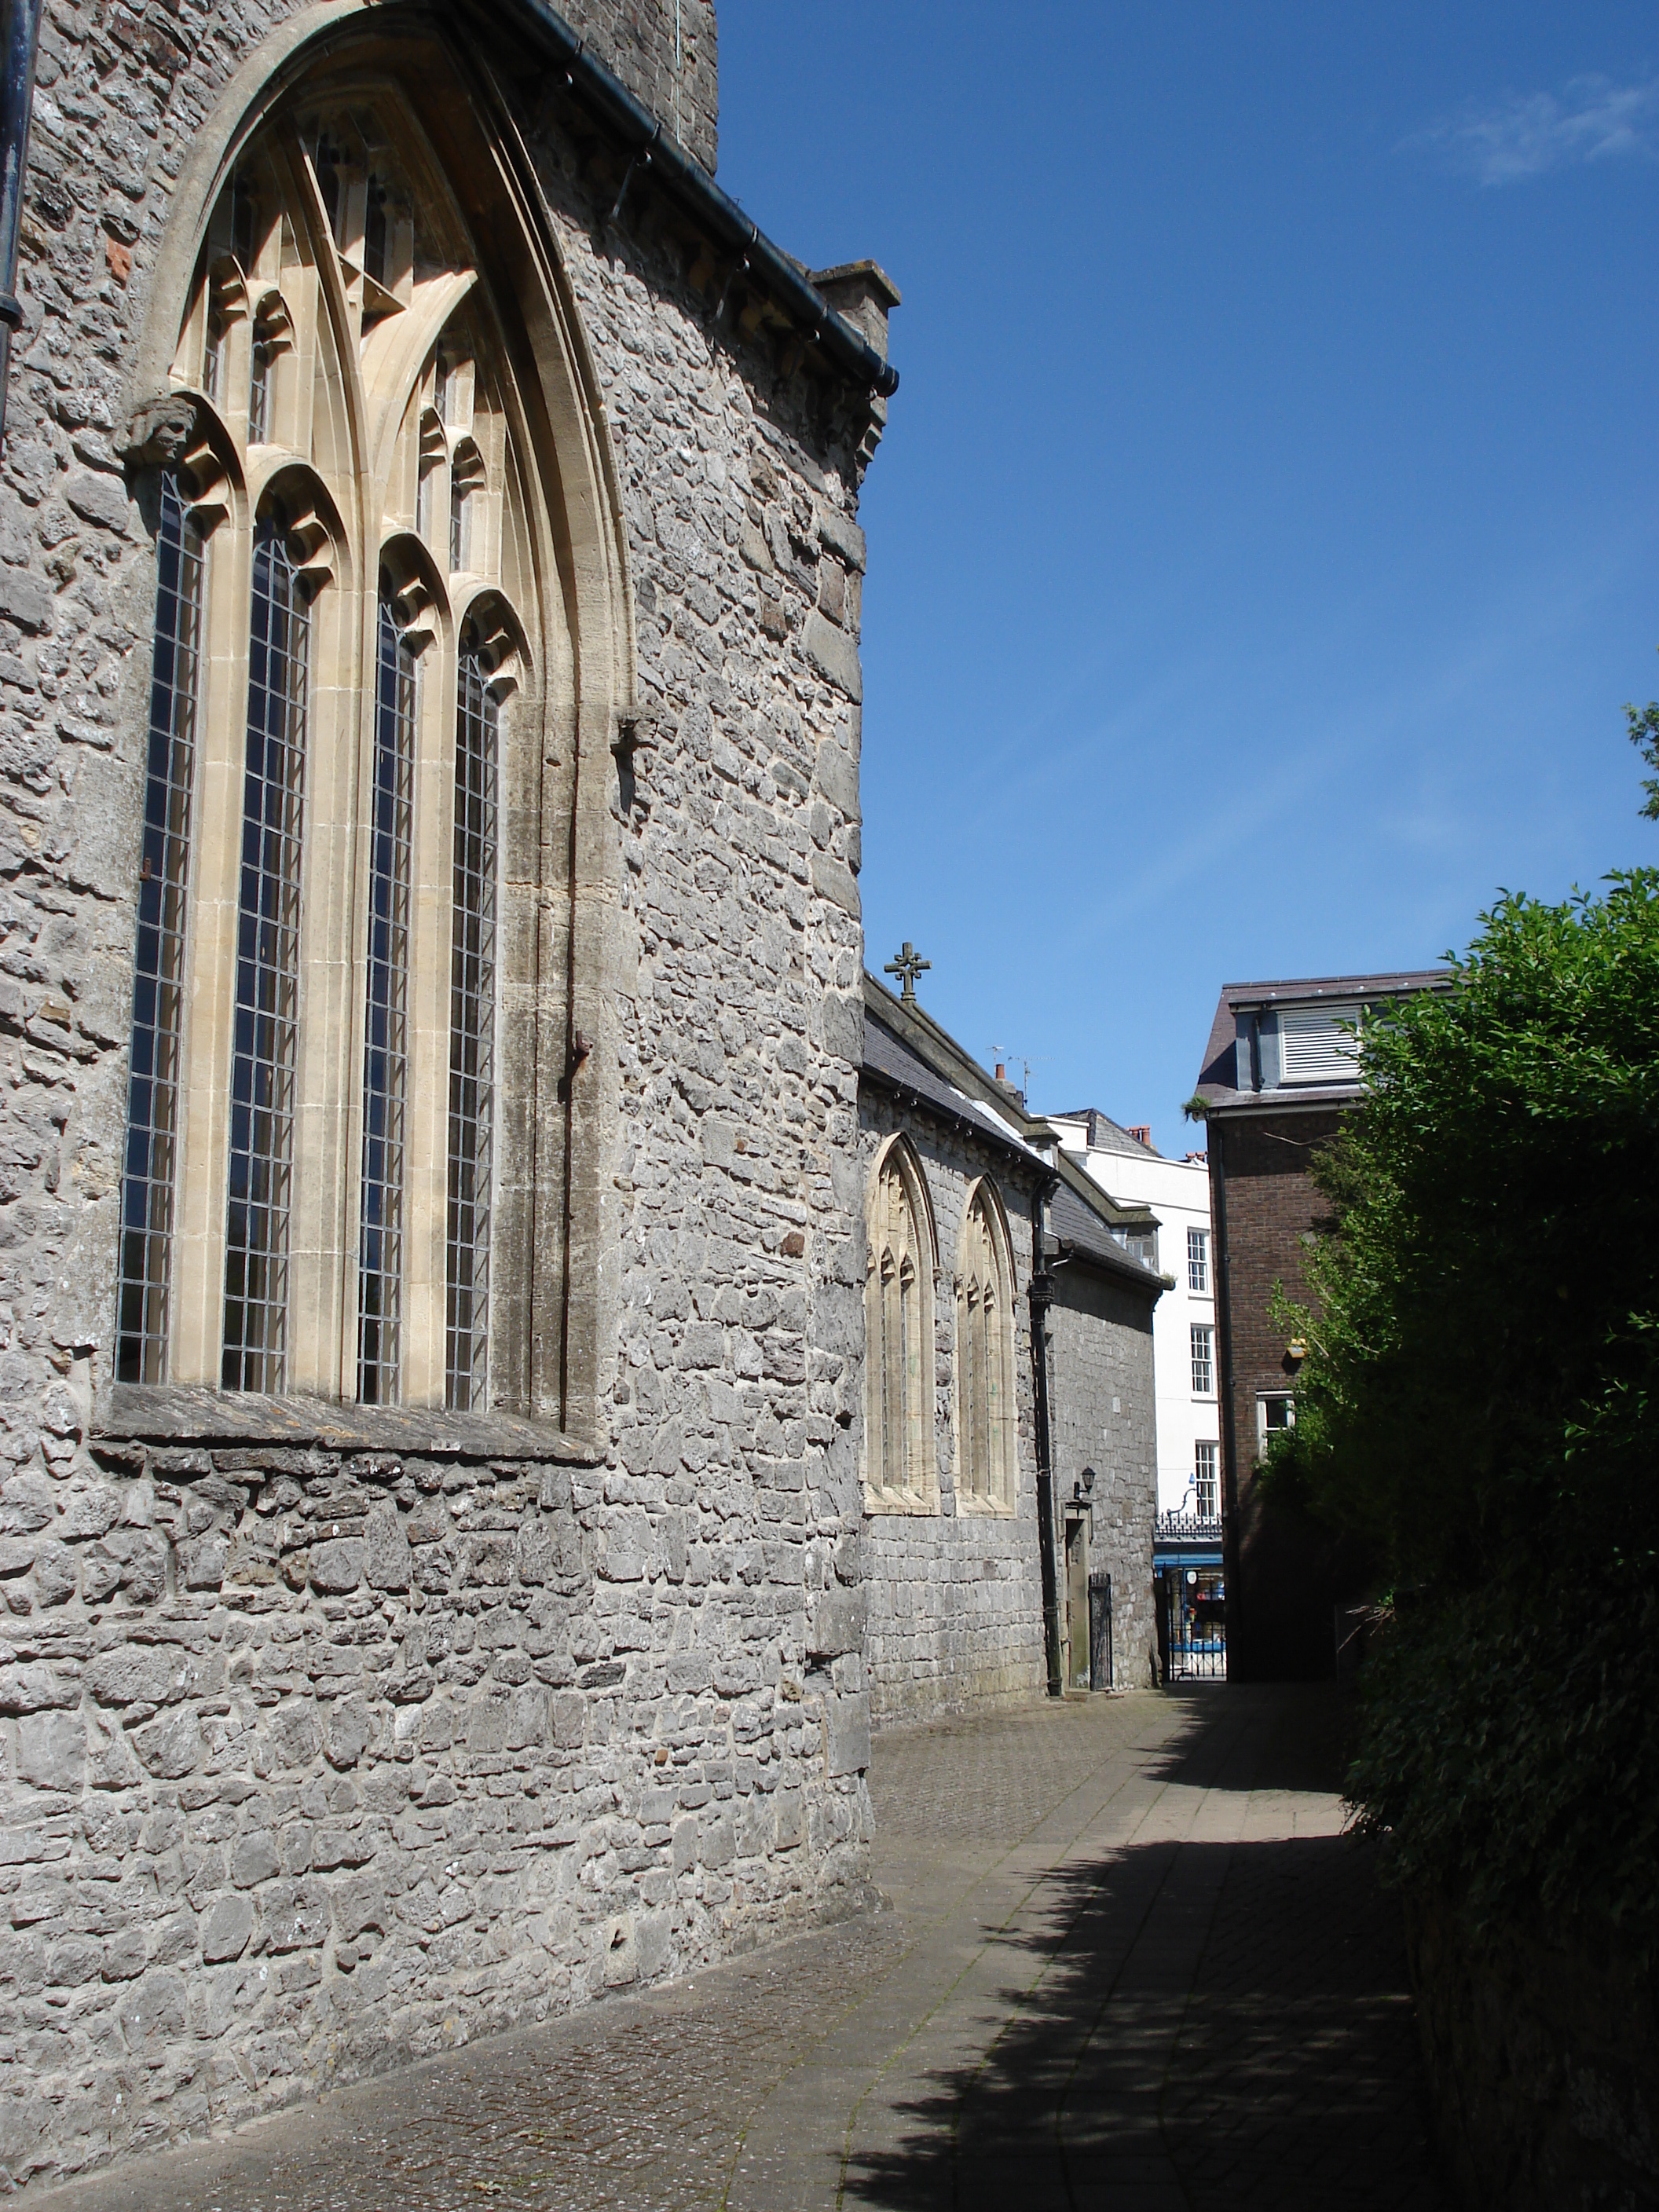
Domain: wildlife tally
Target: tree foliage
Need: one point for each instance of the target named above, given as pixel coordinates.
(1478, 1403)
(1644, 724)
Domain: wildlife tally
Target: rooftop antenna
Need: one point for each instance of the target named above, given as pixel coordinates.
(1002, 1055)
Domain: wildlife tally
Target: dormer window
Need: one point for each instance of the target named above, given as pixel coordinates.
(1317, 1044)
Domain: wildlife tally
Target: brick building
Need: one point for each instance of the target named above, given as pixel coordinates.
(992, 1258)
(1279, 1075)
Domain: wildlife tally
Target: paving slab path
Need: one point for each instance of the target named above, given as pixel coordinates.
(1130, 1962)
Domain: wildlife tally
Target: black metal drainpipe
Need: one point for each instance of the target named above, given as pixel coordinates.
(21, 25)
(1042, 1294)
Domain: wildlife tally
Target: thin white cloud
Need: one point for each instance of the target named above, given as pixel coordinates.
(1520, 135)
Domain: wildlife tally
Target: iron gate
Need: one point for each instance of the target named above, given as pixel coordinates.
(1100, 1631)
(1192, 1616)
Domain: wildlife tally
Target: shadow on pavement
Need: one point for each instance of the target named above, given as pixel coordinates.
(1306, 1743)
(1217, 2026)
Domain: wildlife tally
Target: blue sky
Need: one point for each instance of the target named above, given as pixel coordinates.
(1266, 537)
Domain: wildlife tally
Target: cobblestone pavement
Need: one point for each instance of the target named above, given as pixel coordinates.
(1131, 1963)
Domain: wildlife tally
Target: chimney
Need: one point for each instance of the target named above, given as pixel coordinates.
(1002, 1078)
(1142, 1135)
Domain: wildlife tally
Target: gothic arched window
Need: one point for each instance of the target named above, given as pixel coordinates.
(901, 1468)
(357, 602)
(985, 1357)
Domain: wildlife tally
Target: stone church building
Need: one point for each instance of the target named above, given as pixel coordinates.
(439, 1137)
(988, 1249)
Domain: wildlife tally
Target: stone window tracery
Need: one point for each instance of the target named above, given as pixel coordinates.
(351, 619)
(985, 1358)
(900, 1472)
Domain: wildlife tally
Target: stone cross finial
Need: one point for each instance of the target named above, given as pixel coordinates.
(908, 967)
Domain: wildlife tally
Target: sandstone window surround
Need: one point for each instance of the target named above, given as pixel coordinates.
(901, 1271)
(352, 784)
(1203, 1359)
(985, 1426)
(1206, 1487)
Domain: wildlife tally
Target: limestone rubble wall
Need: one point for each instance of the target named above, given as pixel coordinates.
(666, 52)
(319, 1754)
(1105, 1422)
(955, 1596)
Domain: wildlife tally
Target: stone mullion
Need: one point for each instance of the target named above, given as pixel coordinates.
(334, 924)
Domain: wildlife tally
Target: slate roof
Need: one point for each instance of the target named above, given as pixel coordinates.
(1216, 1085)
(1076, 1222)
(891, 1059)
(1106, 1136)
(907, 1052)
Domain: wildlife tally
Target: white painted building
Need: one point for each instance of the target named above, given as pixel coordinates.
(1184, 1355)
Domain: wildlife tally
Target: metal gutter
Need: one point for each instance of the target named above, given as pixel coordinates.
(656, 155)
(1119, 1265)
(1248, 1105)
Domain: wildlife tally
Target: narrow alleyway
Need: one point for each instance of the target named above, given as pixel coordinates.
(1131, 1964)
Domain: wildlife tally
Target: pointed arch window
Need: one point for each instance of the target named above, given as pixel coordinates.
(158, 968)
(337, 1144)
(900, 1469)
(267, 972)
(985, 1359)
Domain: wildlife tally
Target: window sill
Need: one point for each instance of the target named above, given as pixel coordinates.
(177, 1413)
(983, 1508)
(903, 1502)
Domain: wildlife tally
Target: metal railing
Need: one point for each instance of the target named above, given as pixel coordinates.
(1187, 1528)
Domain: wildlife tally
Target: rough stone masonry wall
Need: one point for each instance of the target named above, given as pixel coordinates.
(313, 1757)
(666, 52)
(955, 1598)
(1104, 1415)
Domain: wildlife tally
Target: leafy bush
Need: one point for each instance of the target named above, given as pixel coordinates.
(1477, 1402)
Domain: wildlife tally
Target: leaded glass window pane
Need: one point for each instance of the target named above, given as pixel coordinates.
(153, 1083)
(385, 1028)
(267, 976)
(471, 1039)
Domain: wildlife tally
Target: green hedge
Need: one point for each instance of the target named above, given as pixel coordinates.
(1510, 1756)
(1485, 1352)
